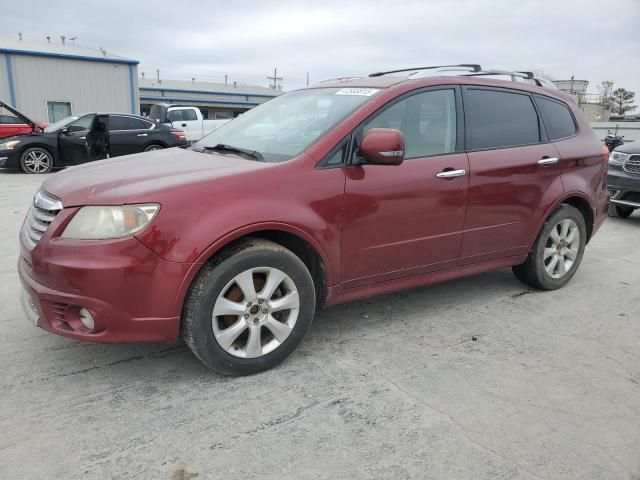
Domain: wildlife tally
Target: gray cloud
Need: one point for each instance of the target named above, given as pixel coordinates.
(590, 39)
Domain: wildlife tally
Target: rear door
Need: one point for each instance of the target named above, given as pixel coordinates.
(404, 220)
(128, 134)
(512, 166)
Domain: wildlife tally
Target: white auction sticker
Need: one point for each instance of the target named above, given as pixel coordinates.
(363, 92)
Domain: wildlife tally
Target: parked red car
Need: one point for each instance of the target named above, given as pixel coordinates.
(13, 123)
(337, 192)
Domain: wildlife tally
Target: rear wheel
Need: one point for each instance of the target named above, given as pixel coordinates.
(36, 160)
(557, 252)
(152, 147)
(249, 308)
(620, 211)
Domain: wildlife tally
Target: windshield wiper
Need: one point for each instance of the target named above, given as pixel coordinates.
(221, 147)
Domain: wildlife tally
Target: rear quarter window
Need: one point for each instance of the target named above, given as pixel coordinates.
(557, 118)
(496, 119)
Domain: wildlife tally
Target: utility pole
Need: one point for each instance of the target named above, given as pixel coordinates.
(307, 79)
(275, 79)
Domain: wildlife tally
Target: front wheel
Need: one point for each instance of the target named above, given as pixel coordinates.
(557, 252)
(249, 308)
(36, 160)
(620, 211)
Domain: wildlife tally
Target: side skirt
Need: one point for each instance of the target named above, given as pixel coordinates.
(337, 295)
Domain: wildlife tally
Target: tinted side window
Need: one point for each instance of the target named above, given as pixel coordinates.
(499, 119)
(427, 120)
(127, 123)
(189, 115)
(4, 119)
(83, 123)
(557, 118)
(174, 116)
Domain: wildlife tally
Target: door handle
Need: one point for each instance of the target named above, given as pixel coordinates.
(547, 161)
(83, 138)
(142, 134)
(184, 124)
(451, 173)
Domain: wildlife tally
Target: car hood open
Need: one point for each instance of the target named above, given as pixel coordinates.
(142, 177)
(21, 116)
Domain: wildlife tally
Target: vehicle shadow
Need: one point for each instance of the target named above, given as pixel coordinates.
(128, 362)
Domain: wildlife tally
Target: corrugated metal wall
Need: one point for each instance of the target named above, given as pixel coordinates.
(4, 80)
(89, 86)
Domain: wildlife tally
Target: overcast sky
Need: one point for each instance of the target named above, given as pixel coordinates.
(593, 40)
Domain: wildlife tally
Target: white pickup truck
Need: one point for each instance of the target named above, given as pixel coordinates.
(188, 119)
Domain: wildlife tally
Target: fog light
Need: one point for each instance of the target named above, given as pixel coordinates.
(86, 318)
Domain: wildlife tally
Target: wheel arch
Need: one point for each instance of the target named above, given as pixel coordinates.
(575, 199)
(299, 242)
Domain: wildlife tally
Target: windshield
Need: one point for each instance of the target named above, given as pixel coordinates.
(54, 127)
(283, 127)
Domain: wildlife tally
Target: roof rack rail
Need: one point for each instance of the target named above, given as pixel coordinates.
(471, 70)
(470, 66)
(541, 82)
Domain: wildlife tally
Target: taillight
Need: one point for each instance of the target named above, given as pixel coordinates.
(179, 133)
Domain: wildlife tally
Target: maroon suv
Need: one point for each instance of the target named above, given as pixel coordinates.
(352, 188)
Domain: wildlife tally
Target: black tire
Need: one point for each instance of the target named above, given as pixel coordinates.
(620, 210)
(153, 146)
(36, 160)
(533, 271)
(197, 316)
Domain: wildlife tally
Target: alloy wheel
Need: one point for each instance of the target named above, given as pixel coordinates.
(255, 312)
(37, 161)
(561, 249)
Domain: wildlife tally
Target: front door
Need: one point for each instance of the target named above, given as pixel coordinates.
(408, 219)
(511, 165)
(72, 141)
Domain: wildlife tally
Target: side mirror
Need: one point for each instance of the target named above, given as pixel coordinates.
(65, 131)
(383, 146)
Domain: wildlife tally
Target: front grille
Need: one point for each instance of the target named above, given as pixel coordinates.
(632, 165)
(40, 215)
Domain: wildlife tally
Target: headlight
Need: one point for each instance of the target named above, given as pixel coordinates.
(618, 158)
(9, 145)
(99, 223)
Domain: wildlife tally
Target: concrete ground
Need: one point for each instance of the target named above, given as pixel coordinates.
(390, 388)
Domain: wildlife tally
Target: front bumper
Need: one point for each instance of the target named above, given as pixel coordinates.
(130, 291)
(624, 187)
(8, 159)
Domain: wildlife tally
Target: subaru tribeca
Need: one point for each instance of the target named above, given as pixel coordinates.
(348, 189)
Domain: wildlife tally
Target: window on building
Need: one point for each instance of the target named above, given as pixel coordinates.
(499, 119)
(427, 120)
(58, 110)
(557, 118)
(117, 122)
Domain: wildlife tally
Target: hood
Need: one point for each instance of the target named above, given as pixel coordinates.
(21, 116)
(630, 147)
(143, 177)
